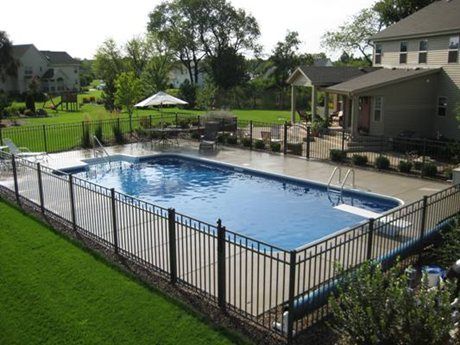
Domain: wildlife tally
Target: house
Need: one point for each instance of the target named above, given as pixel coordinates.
(179, 74)
(414, 87)
(54, 72)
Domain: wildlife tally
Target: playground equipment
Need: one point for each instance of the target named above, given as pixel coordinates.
(68, 101)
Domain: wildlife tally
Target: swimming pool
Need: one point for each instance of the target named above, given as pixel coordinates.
(282, 211)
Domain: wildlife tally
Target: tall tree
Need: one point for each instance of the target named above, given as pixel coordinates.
(285, 57)
(128, 92)
(138, 54)
(227, 68)
(108, 64)
(354, 34)
(392, 11)
(195, 29)
(8, 64)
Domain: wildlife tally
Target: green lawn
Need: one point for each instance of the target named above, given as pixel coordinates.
(54, 292)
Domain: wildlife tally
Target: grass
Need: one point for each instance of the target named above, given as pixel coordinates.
(53, 292)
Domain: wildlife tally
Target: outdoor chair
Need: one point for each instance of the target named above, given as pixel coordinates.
(24, 152)
(275, 132)
(266, 137)
(209, 137)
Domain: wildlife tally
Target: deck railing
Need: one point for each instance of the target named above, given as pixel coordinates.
(281, 291)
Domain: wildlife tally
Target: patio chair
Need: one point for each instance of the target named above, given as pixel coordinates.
(266, 137)
(24, 152)
(209, 137)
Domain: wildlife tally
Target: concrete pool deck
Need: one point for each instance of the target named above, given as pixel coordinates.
(405, 188)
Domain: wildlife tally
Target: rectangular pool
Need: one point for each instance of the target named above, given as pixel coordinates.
(279, 210)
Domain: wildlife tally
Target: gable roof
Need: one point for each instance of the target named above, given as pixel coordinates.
(58, 57)
(329, 75)
(20, 49)
(378, 79)
(442, 16)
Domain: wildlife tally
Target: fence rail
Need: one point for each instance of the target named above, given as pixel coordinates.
(281, 291)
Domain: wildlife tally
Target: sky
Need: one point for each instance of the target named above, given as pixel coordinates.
(80, 27)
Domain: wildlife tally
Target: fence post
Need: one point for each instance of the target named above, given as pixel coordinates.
(72, 203)
(172, 244)
(423, 224)
(290, 325)
(423, 157)
(343, 139)
(221, 287)
(40, 188)
(114, 220)
(44, 138)
(15, 176)
(308, 142)
(250, 133)
(176, 119)
(285, 137)
(370, 239)
(1, 135)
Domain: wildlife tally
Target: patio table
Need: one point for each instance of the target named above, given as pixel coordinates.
(164, 134)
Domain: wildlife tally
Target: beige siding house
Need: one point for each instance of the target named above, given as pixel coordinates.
(415, 87)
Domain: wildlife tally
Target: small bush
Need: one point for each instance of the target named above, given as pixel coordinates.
(183, 123)
(118, 134)
(29, 112)
(429, 170)
(259, 144)
(405, 166)
(382, 163)
(86, 137)
(195, 135)
(98, 133)
(337, 155)
(446, 251)
(85, 100)
(92, 99)
(448, 173)
(42, 112)
(359, 160)
(418, 165)
(246, 142)
(275, 146)
(232, 140)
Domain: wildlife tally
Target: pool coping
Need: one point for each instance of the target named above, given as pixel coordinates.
(140, 158)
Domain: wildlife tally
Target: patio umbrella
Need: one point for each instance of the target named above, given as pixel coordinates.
(159, 99)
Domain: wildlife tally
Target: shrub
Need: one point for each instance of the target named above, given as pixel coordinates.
(98, 133)
(118, 134)
(418, 165)
(275, 146)
(337, 155)
(195, 135)
(405, 166)
(429, 170)
(377, 307)
(86, 137)
(183, 123)
(382, 163)
(85, 100)
(29, 112)
(447, 250)
(42, 112)
(231, 140)
(92, 99)
(246, 142)
(359, 160)
(259, 144)
(448, 173)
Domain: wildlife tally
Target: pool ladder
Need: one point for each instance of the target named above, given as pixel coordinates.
(341, 185)
(100, 151)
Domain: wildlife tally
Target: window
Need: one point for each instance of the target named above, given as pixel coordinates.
(442, 106)
(403, 52)
(28, 70)
(453, 49)
(378, 104)
(422, 51)
(378, 53)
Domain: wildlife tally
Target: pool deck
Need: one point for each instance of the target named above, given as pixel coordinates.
(405, 188)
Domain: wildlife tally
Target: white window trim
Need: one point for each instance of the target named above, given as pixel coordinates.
(378, 54)
(403, 53)
(437, 106)
(454, 50)
(374, 108)
(423, 51)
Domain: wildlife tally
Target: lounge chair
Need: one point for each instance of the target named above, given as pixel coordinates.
(24, 152)
(209, 137)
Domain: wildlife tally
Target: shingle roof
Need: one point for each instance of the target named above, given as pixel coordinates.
(20, 49)
(379, 79)
(441, 16)
(49, 74)
(58, 57)
(326, 76)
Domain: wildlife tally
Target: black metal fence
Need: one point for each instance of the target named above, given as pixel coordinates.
(281, 291)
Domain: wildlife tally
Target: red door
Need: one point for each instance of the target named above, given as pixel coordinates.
(364, 118)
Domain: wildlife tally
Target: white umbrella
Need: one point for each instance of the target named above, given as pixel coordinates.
(159, 99)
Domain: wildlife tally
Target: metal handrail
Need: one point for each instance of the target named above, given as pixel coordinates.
(339, 169)
(352, 172)
(102, 149)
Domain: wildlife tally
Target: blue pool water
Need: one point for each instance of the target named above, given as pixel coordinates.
(283, 212)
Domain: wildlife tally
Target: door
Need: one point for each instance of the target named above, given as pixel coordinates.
(364, 117)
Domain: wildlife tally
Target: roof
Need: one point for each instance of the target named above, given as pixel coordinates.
(378, 79)
(328, 75)
(440, 17)
(58, 57)
(20, 49)
(49, 74)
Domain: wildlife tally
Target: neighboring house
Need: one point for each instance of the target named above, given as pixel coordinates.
(415, 87)
(55, 72)
(179, 74)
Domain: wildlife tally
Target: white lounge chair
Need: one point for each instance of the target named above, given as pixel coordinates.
(24, 152)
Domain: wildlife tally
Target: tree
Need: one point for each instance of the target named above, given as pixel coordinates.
(128, 92)
(86, 72)
(137, 54)
(8, 64)
(354, 34)
(108, 64)
(285, 57)
(350, 60)
(227, 68)
(195, 29)
(187, 92)
(392, 11)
